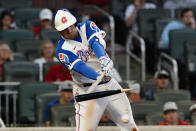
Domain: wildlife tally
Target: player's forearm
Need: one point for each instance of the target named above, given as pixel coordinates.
(85, 70)
(98, 48)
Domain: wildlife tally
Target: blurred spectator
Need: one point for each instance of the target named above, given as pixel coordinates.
(187, 21)
(5, 56)
(48, 55)
(174, 4)
(171, 115)
(58, 73)
(161, 83)
(134, 96)
(192, 111)
(66, 96)
(45, 17)
(7, 21)
(132, 10)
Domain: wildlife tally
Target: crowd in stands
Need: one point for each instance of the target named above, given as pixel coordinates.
(129, 21)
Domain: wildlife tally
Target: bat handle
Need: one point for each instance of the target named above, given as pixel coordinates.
(99, 78)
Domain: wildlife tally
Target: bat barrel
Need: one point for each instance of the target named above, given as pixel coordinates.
(96, 95)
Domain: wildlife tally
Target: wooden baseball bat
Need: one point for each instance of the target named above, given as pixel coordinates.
(100, 94)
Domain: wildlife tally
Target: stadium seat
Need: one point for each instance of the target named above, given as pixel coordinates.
(172, 95)
(18, 56)
(178, 39)
(27, 93)
(10, 4)
(190, 56)
(46, 67)
(20, 71)
(17, 34)
(146, 20)
(30, 48)
(193, 118)
(50, 35)
(40, 105)
(23, 15)
(67, 111)
(156, 117)
(141, 109)
(184, 106)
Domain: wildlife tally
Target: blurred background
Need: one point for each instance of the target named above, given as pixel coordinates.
(151, 42)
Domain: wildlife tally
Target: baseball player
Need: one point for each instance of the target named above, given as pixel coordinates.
(78, 45)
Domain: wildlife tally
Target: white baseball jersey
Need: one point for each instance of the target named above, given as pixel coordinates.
(69, 52)
(88, 113)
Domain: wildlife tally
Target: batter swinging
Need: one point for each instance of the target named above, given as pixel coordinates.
(81, 49)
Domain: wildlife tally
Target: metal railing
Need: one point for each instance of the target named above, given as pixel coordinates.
(112, 26)
(130, 54)
(9, 93)
(171, 65)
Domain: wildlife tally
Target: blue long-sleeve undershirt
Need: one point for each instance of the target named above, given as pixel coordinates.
(85, 70)
(98, 48)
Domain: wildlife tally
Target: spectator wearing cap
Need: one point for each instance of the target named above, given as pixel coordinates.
(171, 115)
(66, 96)
(161, 79)
(192, 112)
(45, 17)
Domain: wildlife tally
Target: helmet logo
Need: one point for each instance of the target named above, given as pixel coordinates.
(63, 19)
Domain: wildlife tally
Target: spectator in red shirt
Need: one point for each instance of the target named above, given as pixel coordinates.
(45, 17)
(58, 73)
(171, 115)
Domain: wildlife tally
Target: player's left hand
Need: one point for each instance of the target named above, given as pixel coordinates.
(106, 64)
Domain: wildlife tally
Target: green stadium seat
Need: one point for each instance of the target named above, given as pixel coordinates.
(190, 56)
(20, 71)
(18, 56)
(178, 39)
(141, 109)
(172, 95)
(10, 4)
(156, 117)
(67, 111)
(50, 35)
(46, 67)
(146, 20)
(23, 15)
(30, 48)
(184, 106)
(41, 102)
(193, 119)
(17, 34)
(27, 93)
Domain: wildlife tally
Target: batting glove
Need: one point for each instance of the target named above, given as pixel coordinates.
(106, 64)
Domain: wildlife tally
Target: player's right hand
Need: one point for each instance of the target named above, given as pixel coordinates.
(106, 64)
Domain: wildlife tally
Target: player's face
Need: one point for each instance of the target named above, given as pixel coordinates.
(171, 117)
(67, 96)
(70, 33)
(48, 50)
